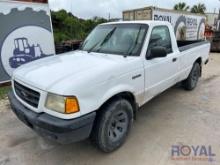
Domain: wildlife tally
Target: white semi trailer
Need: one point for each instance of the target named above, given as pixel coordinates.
(187, 26)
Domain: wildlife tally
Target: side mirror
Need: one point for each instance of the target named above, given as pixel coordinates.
(157, 52)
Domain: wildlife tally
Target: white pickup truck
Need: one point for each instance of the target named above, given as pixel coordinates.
(96, 91)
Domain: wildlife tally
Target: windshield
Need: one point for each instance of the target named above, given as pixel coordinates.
(119, 39)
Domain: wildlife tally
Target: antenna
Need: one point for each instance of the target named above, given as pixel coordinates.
(109, 16)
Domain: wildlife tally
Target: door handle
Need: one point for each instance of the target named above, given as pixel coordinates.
(174, 59)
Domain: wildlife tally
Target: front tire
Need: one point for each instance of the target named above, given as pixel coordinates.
(191, 82)
(112, 125)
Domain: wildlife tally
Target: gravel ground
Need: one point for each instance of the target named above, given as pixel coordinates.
(4, 105)
(176, 117)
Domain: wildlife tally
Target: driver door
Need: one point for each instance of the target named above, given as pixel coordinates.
(160, 73)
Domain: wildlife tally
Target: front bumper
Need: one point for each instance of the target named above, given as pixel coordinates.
(62, 131)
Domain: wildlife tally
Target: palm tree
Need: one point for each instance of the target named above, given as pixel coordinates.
(181, 7)
(200, 8)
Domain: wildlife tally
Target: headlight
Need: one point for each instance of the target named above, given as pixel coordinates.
(61, 104)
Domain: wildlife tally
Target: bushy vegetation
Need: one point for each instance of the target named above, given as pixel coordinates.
(66, 26)
(4, 91)
(182, 6)
(200, 8)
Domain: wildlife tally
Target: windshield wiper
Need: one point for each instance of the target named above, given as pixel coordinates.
(106, 39)
(92, 48)
(102, 42)
(136, 42)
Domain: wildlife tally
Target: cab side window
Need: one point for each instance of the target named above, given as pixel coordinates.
(160, 36)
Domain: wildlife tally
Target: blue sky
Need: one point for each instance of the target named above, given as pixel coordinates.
(90, 8)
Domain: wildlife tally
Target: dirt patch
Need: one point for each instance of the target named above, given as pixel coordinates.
(4, 105)
(18, 141)
(4, 161)
(211, 78)
(176, 117)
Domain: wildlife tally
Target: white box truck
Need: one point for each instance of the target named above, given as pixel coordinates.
(187, 26)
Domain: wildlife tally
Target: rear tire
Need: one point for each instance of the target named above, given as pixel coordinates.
(112, 125)
(191, 82)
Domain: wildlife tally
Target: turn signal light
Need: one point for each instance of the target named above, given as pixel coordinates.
(71, 105)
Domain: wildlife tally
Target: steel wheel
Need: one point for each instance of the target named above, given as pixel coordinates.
(191, 82)
(195, 76)
(112, 125)
(118, 126)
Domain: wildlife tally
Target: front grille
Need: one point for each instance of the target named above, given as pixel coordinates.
(28, 95)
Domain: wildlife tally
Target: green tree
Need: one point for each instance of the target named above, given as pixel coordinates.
(200, 8)
(181, 7)
(66, 26)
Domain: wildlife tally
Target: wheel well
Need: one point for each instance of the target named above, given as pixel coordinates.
(123, 95)
(199, 61)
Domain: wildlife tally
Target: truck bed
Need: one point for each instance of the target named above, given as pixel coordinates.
(185, 45)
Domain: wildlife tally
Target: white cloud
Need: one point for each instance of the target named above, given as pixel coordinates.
(102, 8)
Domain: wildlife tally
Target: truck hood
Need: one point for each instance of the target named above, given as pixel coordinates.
(56, 73)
